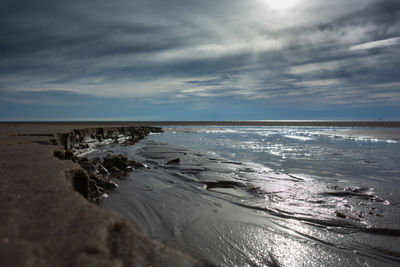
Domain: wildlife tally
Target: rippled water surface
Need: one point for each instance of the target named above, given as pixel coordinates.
(267, 196)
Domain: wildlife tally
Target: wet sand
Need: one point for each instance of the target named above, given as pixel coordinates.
(235, 212)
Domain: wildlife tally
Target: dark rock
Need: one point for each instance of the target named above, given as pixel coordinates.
(75, 139)
(96, 160)
(89, 167)
(69, 154)
(79, 179)
(102, 171)
(94, 190)
(80, 160)
(82, 146)
(100, 185)
(99, 180)
(60, 154)
(94, 167)
(340, 214)
(94, 179)
(174, 161)
(137, 164)
(223, 184)
(74, 158)
(65, 140)
(110, 185)
(114, 170)
(116, 161)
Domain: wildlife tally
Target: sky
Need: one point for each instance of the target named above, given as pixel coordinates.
(199, 60)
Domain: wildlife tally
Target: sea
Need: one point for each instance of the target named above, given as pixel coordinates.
(266, 196)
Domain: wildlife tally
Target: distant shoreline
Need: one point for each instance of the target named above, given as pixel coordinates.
(303, 123)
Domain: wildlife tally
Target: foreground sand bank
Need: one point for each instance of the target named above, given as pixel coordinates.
(44, 222)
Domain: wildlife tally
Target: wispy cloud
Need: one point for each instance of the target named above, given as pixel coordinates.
(178, 51)
(377, 44)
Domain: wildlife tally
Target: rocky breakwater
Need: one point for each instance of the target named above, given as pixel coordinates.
(93, 180)
(82, 138)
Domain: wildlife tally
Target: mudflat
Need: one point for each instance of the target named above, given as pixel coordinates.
(44, 222)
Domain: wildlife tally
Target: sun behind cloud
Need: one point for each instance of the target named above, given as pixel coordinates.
(282, 5)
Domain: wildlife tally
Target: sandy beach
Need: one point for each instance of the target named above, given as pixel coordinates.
(46, 223)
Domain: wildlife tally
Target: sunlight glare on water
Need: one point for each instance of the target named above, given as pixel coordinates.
(264, 196)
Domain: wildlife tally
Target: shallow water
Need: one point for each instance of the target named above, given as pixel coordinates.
(257, 196)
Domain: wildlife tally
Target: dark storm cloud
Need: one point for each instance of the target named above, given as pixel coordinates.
(346, 51)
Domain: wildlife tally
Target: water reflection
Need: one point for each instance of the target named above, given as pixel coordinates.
(245, 206)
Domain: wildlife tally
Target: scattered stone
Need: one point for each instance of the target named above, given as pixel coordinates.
(137, 164)
(102, 171)
(223, 184)
(174, 161)
(129, 169)
(340, 214)
(116, 161)
(114, 170)
(103, 182)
